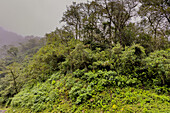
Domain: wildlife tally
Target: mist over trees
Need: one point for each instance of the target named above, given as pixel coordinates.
(9, 38)
(101, 60)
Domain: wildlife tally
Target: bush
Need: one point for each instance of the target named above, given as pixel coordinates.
(157, 65)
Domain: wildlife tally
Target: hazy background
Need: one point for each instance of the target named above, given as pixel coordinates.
(32, 17)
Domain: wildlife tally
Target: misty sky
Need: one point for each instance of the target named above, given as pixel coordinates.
(32, 17)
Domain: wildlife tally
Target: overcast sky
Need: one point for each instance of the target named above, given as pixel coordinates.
(32, 17)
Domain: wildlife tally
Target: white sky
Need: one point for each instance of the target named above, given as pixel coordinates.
(32, 17)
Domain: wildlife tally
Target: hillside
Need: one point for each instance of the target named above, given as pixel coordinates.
(98, 62)
(9, 38)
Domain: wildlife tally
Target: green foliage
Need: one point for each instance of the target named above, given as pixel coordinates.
(47, 60)
(13, 51)
(35, 98)
(92, 63)
(78, 73)
(12, 68)
(157, 64)
(131, 59)
(82, 75)
(116, 100)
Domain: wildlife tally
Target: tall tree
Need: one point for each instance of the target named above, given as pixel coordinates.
(72, 17)
(117, 14)
(155, 17)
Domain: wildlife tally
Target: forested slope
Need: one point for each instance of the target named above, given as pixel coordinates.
(9, 38)
(99, 61)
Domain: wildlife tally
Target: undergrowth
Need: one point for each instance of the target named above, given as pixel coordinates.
(67, 93)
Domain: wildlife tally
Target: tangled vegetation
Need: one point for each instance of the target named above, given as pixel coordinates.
(97, 62)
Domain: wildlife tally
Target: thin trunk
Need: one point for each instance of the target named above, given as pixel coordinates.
(14, 80)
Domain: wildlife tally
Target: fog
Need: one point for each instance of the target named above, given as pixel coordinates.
(32, 17)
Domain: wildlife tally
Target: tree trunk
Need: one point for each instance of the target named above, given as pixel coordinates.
(14, 80)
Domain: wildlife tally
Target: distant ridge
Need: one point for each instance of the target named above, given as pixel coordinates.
(10, 38)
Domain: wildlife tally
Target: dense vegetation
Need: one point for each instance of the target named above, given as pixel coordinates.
(99, 61)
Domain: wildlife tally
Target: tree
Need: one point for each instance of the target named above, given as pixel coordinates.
(155, 17)
(13, 51)
(72, 17)
(158, 6)
(117, 15)
(11, 82)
